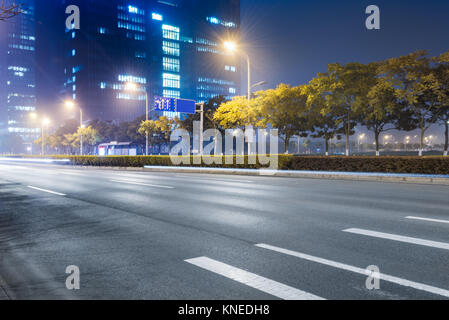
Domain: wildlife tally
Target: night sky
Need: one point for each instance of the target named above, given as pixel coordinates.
(289, 41)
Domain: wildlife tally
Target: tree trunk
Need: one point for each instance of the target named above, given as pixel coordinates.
(348, 132)
(287, 142)
(326, 142)
(421, 146)
(446, 136)
(376, 136)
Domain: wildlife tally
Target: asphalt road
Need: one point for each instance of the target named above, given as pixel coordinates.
(191, 236)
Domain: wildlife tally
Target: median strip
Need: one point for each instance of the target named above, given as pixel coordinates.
(421, 242)
(346, 267)
(142, 184)
(47, 191)
(252, 280)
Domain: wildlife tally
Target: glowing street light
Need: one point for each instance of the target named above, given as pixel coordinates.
(71, 105)
(131, 86)
(361, 137)
(232, 48)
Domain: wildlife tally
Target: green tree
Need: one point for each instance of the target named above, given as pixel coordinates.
(159, 131)
(381, 111)
(417, 88)
(90, 137)
(321, 124)
(237, 113)
(283, 108)
(442, 73)
(343, 87)
(210, 122)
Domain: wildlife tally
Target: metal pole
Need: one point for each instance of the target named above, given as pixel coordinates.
(249, 96)
(81, 129)
(201, 128)
(42, 152)
(249, 78)
(146, 137)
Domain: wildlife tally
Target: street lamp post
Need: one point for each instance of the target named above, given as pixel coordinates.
(45, 122)
(133, 87)
(232, 47)
(71, 105)
(361, 137)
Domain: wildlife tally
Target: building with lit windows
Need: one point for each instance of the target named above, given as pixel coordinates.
(17, 74)
(168, 48)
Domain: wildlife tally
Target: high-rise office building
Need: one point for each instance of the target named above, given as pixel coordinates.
(169, 48)
(17, 73)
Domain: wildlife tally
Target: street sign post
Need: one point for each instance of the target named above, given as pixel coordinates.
(174, 105)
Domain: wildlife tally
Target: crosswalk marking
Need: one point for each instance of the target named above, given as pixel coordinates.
(266, 285)
(427, 219)
(422, 242)
(384, 277)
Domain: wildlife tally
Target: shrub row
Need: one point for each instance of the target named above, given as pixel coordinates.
(140, 161)
(387, 164)
(395, 164)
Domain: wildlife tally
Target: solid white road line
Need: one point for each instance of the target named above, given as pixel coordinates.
(252, 280)
(142, 184)
(427, 219)
(48, 191)
(346, 267)
(422, 242)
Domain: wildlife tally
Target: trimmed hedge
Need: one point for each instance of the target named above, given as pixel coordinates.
(391, 164)
(140, 161)
(387, 164)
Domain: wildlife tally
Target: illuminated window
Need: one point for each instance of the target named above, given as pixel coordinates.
(132, 9)
(140, 54)
(76, 69)
(171, 48)
(131, 78)
(171, 64)
(213, 20)
(171, 94)
(157, 16)
(227, 24)
(170, 32)
(171, 80)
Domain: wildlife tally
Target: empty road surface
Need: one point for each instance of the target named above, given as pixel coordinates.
(136, 235)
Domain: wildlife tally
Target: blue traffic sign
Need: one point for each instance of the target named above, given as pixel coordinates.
(174, 105)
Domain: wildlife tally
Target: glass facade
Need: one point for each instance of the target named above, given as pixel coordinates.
(17, 74)
(167, 48)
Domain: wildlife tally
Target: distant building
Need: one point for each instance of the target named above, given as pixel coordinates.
(17, 73)
(169, 48)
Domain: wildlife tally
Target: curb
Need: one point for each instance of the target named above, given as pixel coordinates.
(352, 176)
